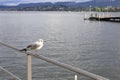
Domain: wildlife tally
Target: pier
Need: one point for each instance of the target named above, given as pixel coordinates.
(29, 55)
(111, 19)
(101, 17)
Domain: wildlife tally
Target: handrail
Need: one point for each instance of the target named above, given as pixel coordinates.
(9, 73)
(68, 67)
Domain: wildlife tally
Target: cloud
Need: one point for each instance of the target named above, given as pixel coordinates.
(46, 0)
(52, 0)
(9, 1)
(5, 2)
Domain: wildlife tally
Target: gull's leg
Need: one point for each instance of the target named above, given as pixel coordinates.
(36, 53)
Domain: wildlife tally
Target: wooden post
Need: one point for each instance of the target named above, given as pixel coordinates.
(29, 67)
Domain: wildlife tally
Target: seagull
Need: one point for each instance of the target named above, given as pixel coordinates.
(34, 47)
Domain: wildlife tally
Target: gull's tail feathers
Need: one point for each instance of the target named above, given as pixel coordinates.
(25, 49)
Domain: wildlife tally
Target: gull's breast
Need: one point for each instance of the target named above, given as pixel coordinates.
(39, 46)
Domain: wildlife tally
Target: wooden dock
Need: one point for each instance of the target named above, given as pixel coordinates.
(111, 19)
(102, 17)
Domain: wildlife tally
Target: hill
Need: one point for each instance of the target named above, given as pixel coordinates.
(94, 3)
(64, 6)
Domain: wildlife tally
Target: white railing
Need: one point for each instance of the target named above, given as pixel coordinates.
(68, 67)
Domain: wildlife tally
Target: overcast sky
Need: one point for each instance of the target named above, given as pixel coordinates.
(15, 2)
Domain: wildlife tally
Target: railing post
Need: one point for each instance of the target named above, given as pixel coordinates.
(75, 77)
(29, 67)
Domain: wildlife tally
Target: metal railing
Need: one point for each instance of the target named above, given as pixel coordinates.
(9, 73)
(68, 67)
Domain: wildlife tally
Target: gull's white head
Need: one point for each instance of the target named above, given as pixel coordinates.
(40, 41)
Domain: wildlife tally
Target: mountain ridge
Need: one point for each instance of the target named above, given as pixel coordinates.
(94, 3)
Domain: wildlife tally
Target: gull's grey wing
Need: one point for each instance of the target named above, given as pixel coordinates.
(33, 46)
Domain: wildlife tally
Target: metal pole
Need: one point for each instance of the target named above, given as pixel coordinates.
(29, 67)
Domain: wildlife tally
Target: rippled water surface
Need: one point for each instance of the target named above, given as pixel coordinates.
(90, 45)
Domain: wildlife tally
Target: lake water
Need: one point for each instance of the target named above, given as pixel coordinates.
(90, 45)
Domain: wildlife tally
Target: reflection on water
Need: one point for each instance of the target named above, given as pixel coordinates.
(90, 45)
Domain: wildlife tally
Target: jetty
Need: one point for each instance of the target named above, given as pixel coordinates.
(111, 19)
(98, 17)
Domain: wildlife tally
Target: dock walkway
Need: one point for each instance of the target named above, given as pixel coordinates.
(103, 17)
(111, 19)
